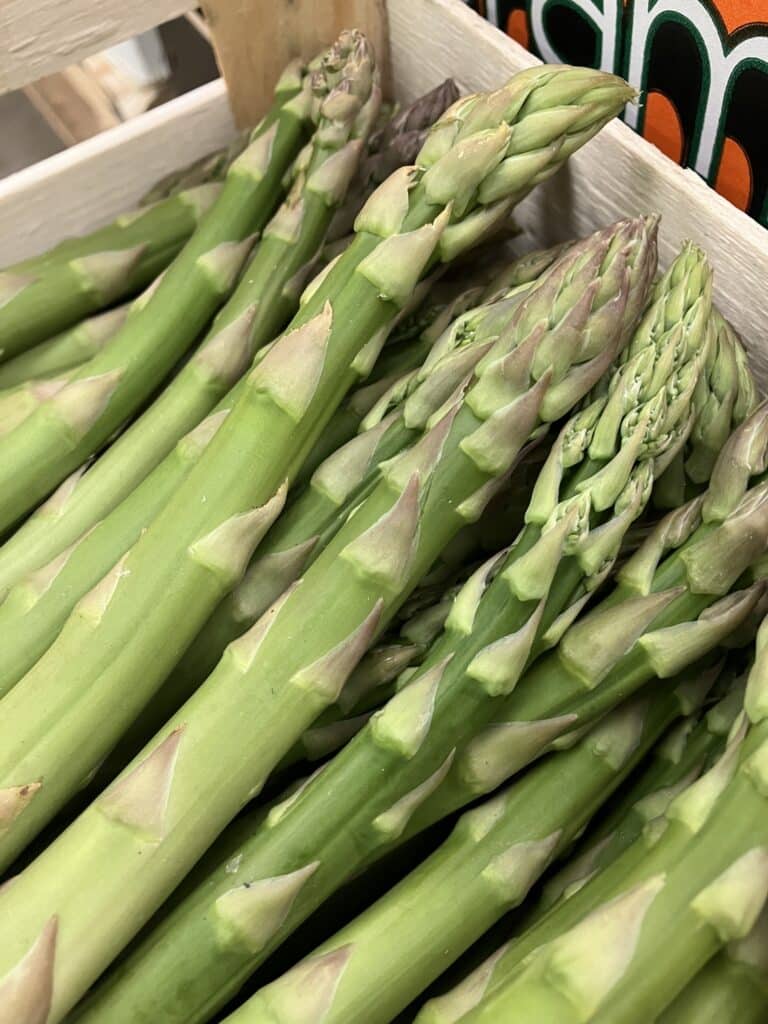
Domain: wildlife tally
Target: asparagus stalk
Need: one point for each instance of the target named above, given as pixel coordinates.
(67, 350)
(44, 296)
(375, 966)
(731, 988)
(259, 306)
(35, 609)
(306, 527)
(665, 613)
(702, 884)
(67, 429)
(609, 269)
(281, 674)
(678, 761)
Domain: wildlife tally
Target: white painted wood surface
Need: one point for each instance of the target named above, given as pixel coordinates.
(90, 184)
(617, 174)
(38, 37)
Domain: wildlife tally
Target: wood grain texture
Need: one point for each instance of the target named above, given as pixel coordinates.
(615, 175)
(255, 39)
(38, 37)
(90, 184)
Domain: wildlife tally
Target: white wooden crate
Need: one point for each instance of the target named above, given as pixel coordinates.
(616, 174)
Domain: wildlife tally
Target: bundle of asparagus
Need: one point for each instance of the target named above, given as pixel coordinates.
(315, 498)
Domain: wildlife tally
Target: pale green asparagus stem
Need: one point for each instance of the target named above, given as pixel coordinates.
(677, 763)
(282, 674)
(679, 760)
(41, 297)
(260, 305)
(64, 352)
(617, 262)
(60, 435)
(696, 883)
(731, 989)
(375, 966)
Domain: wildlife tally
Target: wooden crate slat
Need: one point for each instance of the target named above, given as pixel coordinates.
(617, 174)
(87, 186)
(38, 37)
(255, 40)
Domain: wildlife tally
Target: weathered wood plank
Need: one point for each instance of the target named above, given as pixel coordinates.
(38, 37)
(90, 184)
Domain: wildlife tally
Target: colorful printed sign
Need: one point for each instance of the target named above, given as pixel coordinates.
(701, 67)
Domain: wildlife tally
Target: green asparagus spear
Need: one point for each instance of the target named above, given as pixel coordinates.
(573, 298)
(44, 296)
(259, 306)
(678, 761)
(60, 435)
(375, 966)
(67, 350)
(698, 882)
(281, 674)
